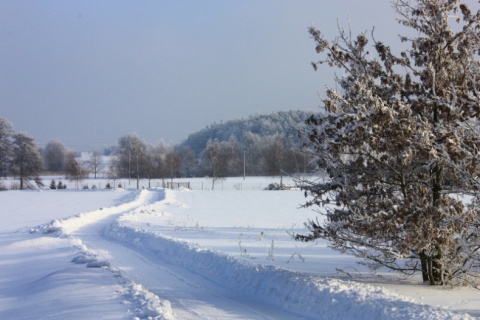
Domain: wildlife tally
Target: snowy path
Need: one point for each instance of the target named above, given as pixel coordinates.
(191, 296)
(156, 254)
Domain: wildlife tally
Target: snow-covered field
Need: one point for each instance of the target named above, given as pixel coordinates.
(191, 254)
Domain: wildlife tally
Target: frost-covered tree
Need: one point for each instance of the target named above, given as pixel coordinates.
(95, 163)
(189, 164)
(26, 160)
(6, 132)
(172, 163)
(149, 164)
(158, 160)
(235, 157)
(285, 123)
(131, 160)
(54, 156)
(215, 160)
(400, 144)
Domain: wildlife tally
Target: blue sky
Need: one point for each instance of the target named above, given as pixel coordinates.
(86, 72)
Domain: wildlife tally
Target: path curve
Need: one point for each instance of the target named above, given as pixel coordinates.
(175, 292)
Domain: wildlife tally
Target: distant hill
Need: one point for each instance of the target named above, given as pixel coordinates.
(284, 123)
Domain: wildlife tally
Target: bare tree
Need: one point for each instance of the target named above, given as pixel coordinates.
(74, 170)
(273, 155)
(215, 157)
(172, 163)
(399, 144)
(131, 157)
(158, 160)
(235, 157)
(26, 160)
(150, 164)
(96, 163)
(112, 172)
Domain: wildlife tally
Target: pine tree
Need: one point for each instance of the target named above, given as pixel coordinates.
(400, 142)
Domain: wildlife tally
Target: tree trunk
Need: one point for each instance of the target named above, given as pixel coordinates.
(430, 271)
(423, 261)
(432, 268)
(437, 266)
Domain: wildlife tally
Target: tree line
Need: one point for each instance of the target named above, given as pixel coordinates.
(270, 156)
(20, 157)
(134, 158)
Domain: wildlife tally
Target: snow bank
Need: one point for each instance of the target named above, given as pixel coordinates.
(306, 295)
(38, 281)
(143, 304)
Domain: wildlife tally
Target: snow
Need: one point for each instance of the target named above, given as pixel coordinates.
(191, 254)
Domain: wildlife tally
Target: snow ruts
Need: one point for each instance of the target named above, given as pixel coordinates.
(145, 304)
(306, 295)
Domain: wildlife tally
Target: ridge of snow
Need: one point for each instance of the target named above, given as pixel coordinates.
(309, 296)
(145, 304)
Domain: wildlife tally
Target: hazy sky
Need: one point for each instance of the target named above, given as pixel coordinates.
(86, 72)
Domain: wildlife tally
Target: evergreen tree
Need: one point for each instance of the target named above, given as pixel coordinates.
(400, 143)
(60, 185)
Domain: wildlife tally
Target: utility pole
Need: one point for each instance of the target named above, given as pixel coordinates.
(243, 164)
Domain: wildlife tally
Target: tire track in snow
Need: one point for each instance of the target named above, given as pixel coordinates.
(70, 226)
(85, 227)
(183, 309)
(190, 295)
